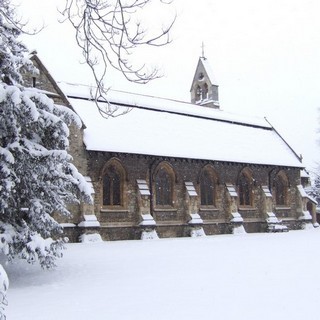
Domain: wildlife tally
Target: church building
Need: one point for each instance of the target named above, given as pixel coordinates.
(166, 168)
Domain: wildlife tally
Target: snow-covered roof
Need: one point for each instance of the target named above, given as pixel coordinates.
(304, 174)
(204, 66)
(209, 70)
(163, 127)
(128, 99)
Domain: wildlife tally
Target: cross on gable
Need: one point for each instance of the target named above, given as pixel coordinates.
(202, 48)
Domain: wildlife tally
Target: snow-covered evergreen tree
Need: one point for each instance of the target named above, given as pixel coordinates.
(37, 178)
(4, 286)
(314, 191)
(317, 188)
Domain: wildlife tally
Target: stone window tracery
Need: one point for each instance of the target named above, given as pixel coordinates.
(113, 180)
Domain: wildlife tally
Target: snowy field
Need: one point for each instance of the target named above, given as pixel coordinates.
(253, 276)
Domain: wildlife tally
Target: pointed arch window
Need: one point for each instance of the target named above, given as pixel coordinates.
(205, 92)
(207, 188)
(113, 186)
(245, 190)
(198, 93)
(164, 187)
(281, 190)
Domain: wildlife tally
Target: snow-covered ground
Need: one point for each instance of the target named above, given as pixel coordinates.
(252, 276)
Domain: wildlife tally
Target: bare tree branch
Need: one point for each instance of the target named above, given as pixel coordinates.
(9, 14)
(108, 32)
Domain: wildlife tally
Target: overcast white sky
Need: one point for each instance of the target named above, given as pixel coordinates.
(265, 54)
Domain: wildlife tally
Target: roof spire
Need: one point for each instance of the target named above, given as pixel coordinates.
(202, 47)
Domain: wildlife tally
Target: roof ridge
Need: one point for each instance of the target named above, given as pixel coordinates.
(126, 105)
(138, 100)
(129, 92)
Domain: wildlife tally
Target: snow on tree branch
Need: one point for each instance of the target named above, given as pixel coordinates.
(4, 286)
(12, 52)
(37, 179)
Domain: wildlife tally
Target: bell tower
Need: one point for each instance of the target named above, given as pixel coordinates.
(204, 89)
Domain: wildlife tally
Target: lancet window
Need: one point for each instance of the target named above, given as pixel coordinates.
(207, 188)
(245, 190)
(113, 180)
(164, 187)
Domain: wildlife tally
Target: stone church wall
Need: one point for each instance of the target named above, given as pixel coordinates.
(173, 222)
